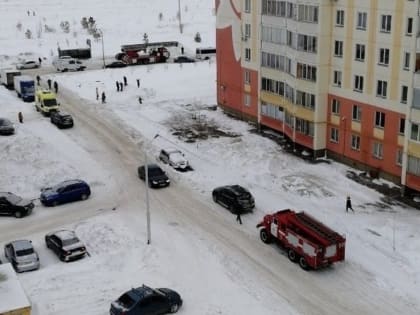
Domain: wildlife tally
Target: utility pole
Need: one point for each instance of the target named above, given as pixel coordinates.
(179, 16)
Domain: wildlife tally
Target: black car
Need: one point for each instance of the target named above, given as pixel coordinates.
(235, 198)
(66, 245)
(6, 127)
(10, 204)
(61, 119)
(182, 59)
(156, 176)
(146, 301)
(116, 64)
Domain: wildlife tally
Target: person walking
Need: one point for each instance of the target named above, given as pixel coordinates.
(40, 61)
(118, 85)
(38, 79)
(121, 87)
(97, 94)
(125, 80)
(238, 216)
(103, 98)
(182, 50)
(55, 87)
(138, 83)
(348, 204)
(140, 100)
(49, 83)
(20, 117)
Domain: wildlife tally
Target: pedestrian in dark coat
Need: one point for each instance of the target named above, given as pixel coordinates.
(125, 80)
(140, 100)
(49, 83)
(40, 61)
(138, 83)
(103, 97)
(55, 87)
(20, 117)
(97, 94)
(118, 85)
(38, 79)
(182, 50)
(348, 204)
(238, 216)
(121, 86)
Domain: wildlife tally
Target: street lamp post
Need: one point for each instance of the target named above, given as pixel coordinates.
(179, 13)
(103, 51)
(146, 169)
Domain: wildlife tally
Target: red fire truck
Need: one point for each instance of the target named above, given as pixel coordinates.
(307, 241)
(138, 57)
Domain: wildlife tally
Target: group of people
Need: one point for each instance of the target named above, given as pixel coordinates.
(103, 96)
(49, 82)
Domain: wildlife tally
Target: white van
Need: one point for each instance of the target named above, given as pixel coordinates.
(64, 64)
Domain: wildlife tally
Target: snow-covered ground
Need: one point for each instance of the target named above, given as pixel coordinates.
(383, 248)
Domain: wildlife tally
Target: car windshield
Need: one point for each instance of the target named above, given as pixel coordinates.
(5, 122)
(50, 103)
(24, 252)
(155, 172)
(13, 198)
(70, 241)
(126, 301)
(177, 157)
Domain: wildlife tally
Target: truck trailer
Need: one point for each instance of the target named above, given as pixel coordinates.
(6, 77)
(306, 240)
(24, 87)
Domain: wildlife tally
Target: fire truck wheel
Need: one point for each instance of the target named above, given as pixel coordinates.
(265, 237)
(292, 255)
(303, 264)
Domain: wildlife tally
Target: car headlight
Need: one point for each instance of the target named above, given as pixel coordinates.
(154, 182)
(167, 180)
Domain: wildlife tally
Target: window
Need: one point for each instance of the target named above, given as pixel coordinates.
(413, 165)
(399, 157)
(247, 100)
(247, 6)
(335, 106)
(381, 88)
(247, 77)
(402, 125)
(338, 48)
(356, 113)
(404, 94)
(406, 61)
(360, 52)
(378, 150)
(355, 142)
(386, 23)
(361, 20)
(247, 54)
(306, 72)
(358, 83)
(415, 135)
(334, 135)
(384, 56)
(409, 29)
(379, 119)
(339, 21)
(337, 78)
(307, 13)
(247, 30)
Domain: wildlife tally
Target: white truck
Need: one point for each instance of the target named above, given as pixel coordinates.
(6, 77)
(67, 63)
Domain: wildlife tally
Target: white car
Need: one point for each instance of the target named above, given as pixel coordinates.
(29, 64)
(174, 158)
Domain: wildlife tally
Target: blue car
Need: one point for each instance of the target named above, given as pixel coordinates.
(67, 191)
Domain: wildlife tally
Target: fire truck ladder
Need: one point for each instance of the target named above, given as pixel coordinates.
(317, 226)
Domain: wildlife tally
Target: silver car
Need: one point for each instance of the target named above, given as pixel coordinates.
(30, 64)
(22, 255)
(174, 158)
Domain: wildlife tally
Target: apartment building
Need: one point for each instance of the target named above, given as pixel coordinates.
(336, 77)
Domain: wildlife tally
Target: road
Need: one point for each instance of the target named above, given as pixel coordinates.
(345, 290)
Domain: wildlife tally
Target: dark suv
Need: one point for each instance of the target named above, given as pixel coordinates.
(10, 204)
(66, 245)
(146, 301)
(67, 191)
(156, 176)
(235, 198)
(61, 119)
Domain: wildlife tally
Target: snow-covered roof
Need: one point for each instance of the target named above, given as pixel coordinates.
(12, 295)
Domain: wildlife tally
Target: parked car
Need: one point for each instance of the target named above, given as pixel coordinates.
(174, 158)
(116, 64)
(66, 245)
(6, 127)
(184, 59)
(67, 191)
(29, 64)
(61, 119)
(22, 255)
(234, 197)
(11, 204)
(156, 176)
(146, 301)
